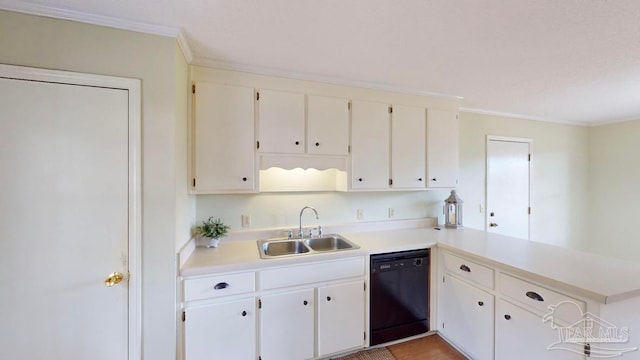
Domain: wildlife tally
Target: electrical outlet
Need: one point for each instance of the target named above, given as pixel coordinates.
(359, 214)
(246, 221)
(391, 213)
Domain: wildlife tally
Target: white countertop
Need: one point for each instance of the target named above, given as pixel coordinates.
(599, 278)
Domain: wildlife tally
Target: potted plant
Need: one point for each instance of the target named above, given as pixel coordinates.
(212, 230)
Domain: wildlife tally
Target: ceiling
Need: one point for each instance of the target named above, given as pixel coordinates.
(570, 61)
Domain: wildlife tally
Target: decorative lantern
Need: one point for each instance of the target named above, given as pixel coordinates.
(453, 211)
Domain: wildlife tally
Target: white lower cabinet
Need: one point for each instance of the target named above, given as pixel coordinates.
(467, 317)
(521, 334)
(206, 339)
(287, 325)
(340, 317)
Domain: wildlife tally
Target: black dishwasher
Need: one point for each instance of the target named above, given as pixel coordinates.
(399, 295)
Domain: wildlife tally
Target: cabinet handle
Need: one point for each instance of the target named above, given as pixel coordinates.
(534, 295)
(297, 142)
(328, 298)
(244, 313)
(220, 286)
(360, 179)
(465, 268)
(480, 303)
(305, 303)
(507, 316)
(317, 144)
(244, 179)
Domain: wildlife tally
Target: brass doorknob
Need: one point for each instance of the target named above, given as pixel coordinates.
(113, 278)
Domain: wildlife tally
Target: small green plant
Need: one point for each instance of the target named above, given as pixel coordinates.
(210, 228)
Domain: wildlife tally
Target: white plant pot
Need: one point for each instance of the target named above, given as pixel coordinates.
(212, 243)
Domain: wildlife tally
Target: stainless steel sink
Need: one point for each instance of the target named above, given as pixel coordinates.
(271, 248)
(329, 243)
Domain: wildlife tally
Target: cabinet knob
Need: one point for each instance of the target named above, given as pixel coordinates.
(244, 313)
(360, 179)
(507, 316)
(480, 303)
(244, 179)
(297, 142)
(328, 298)
(317, 144)
(305, 302)
(419, 179)
(434, 179)
(493, 225)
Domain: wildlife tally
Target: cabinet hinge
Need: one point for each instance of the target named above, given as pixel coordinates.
(193, 88)
(587, 349)
(529, 157)
(390, 182)
(257, 96)
(529, 210)
(349, 149)
(443, 279)
(194, 182)
(443, 325)
(257, 144)
(456, 116)
(349, 105)
(365, 336)
(259, 304)
(184, 316)
(390, 109)
(364, 286)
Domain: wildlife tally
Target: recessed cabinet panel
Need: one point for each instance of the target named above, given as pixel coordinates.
(408, 151)
(287, 325)
(222, 331)
(224, 156)
(442, 149)
(281, 122)
(340, 317)
(369, 145)
(327, 125)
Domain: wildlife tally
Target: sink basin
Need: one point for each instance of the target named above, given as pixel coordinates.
(329, 243)
(271, 248)
(283, 247)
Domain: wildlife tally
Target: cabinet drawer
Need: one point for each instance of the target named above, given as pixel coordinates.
(565, 307)
(312, 273)
(475, 272)
(219, 285)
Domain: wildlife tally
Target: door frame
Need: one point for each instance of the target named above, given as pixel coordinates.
(132, 86)
(486, 174)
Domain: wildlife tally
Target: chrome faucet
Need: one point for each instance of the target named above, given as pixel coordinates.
(300, 234)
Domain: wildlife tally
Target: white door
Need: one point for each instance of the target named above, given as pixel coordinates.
(64, 220)
(408, 151)
(327, 125)
(340, 317)
(287, 325)
(369, 145)
(281, 122)
(508, 186)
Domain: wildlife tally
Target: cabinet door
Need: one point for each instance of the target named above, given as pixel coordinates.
(340, 317)
(369, 145)
(224, 152)
(408, 150)
(327, 125)
(521, 334)
(287, 325)
(281, 122)
(442, 149)
(221, 331)
(467, 318)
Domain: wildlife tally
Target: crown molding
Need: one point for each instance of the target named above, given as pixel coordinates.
(184, 46)
(262, 70)
(523, 117)
(79, 16)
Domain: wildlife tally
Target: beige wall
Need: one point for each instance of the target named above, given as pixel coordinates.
(559, 175)
(65, 45)
(614, 178)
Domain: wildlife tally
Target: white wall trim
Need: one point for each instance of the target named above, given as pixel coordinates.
(262, 70)
(133, 87)
(523, 117)
(181, 37)
(79, 16)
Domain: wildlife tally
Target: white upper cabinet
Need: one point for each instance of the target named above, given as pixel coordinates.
(327, 125)
(281, 122)
(369, 145)
(223, 135)
(442, 149)
(408, 151)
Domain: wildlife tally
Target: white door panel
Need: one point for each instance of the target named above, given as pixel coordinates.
(508, 188)
(64, 220)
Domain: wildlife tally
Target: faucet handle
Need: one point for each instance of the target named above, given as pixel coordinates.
(319, 230)
(290, 233)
